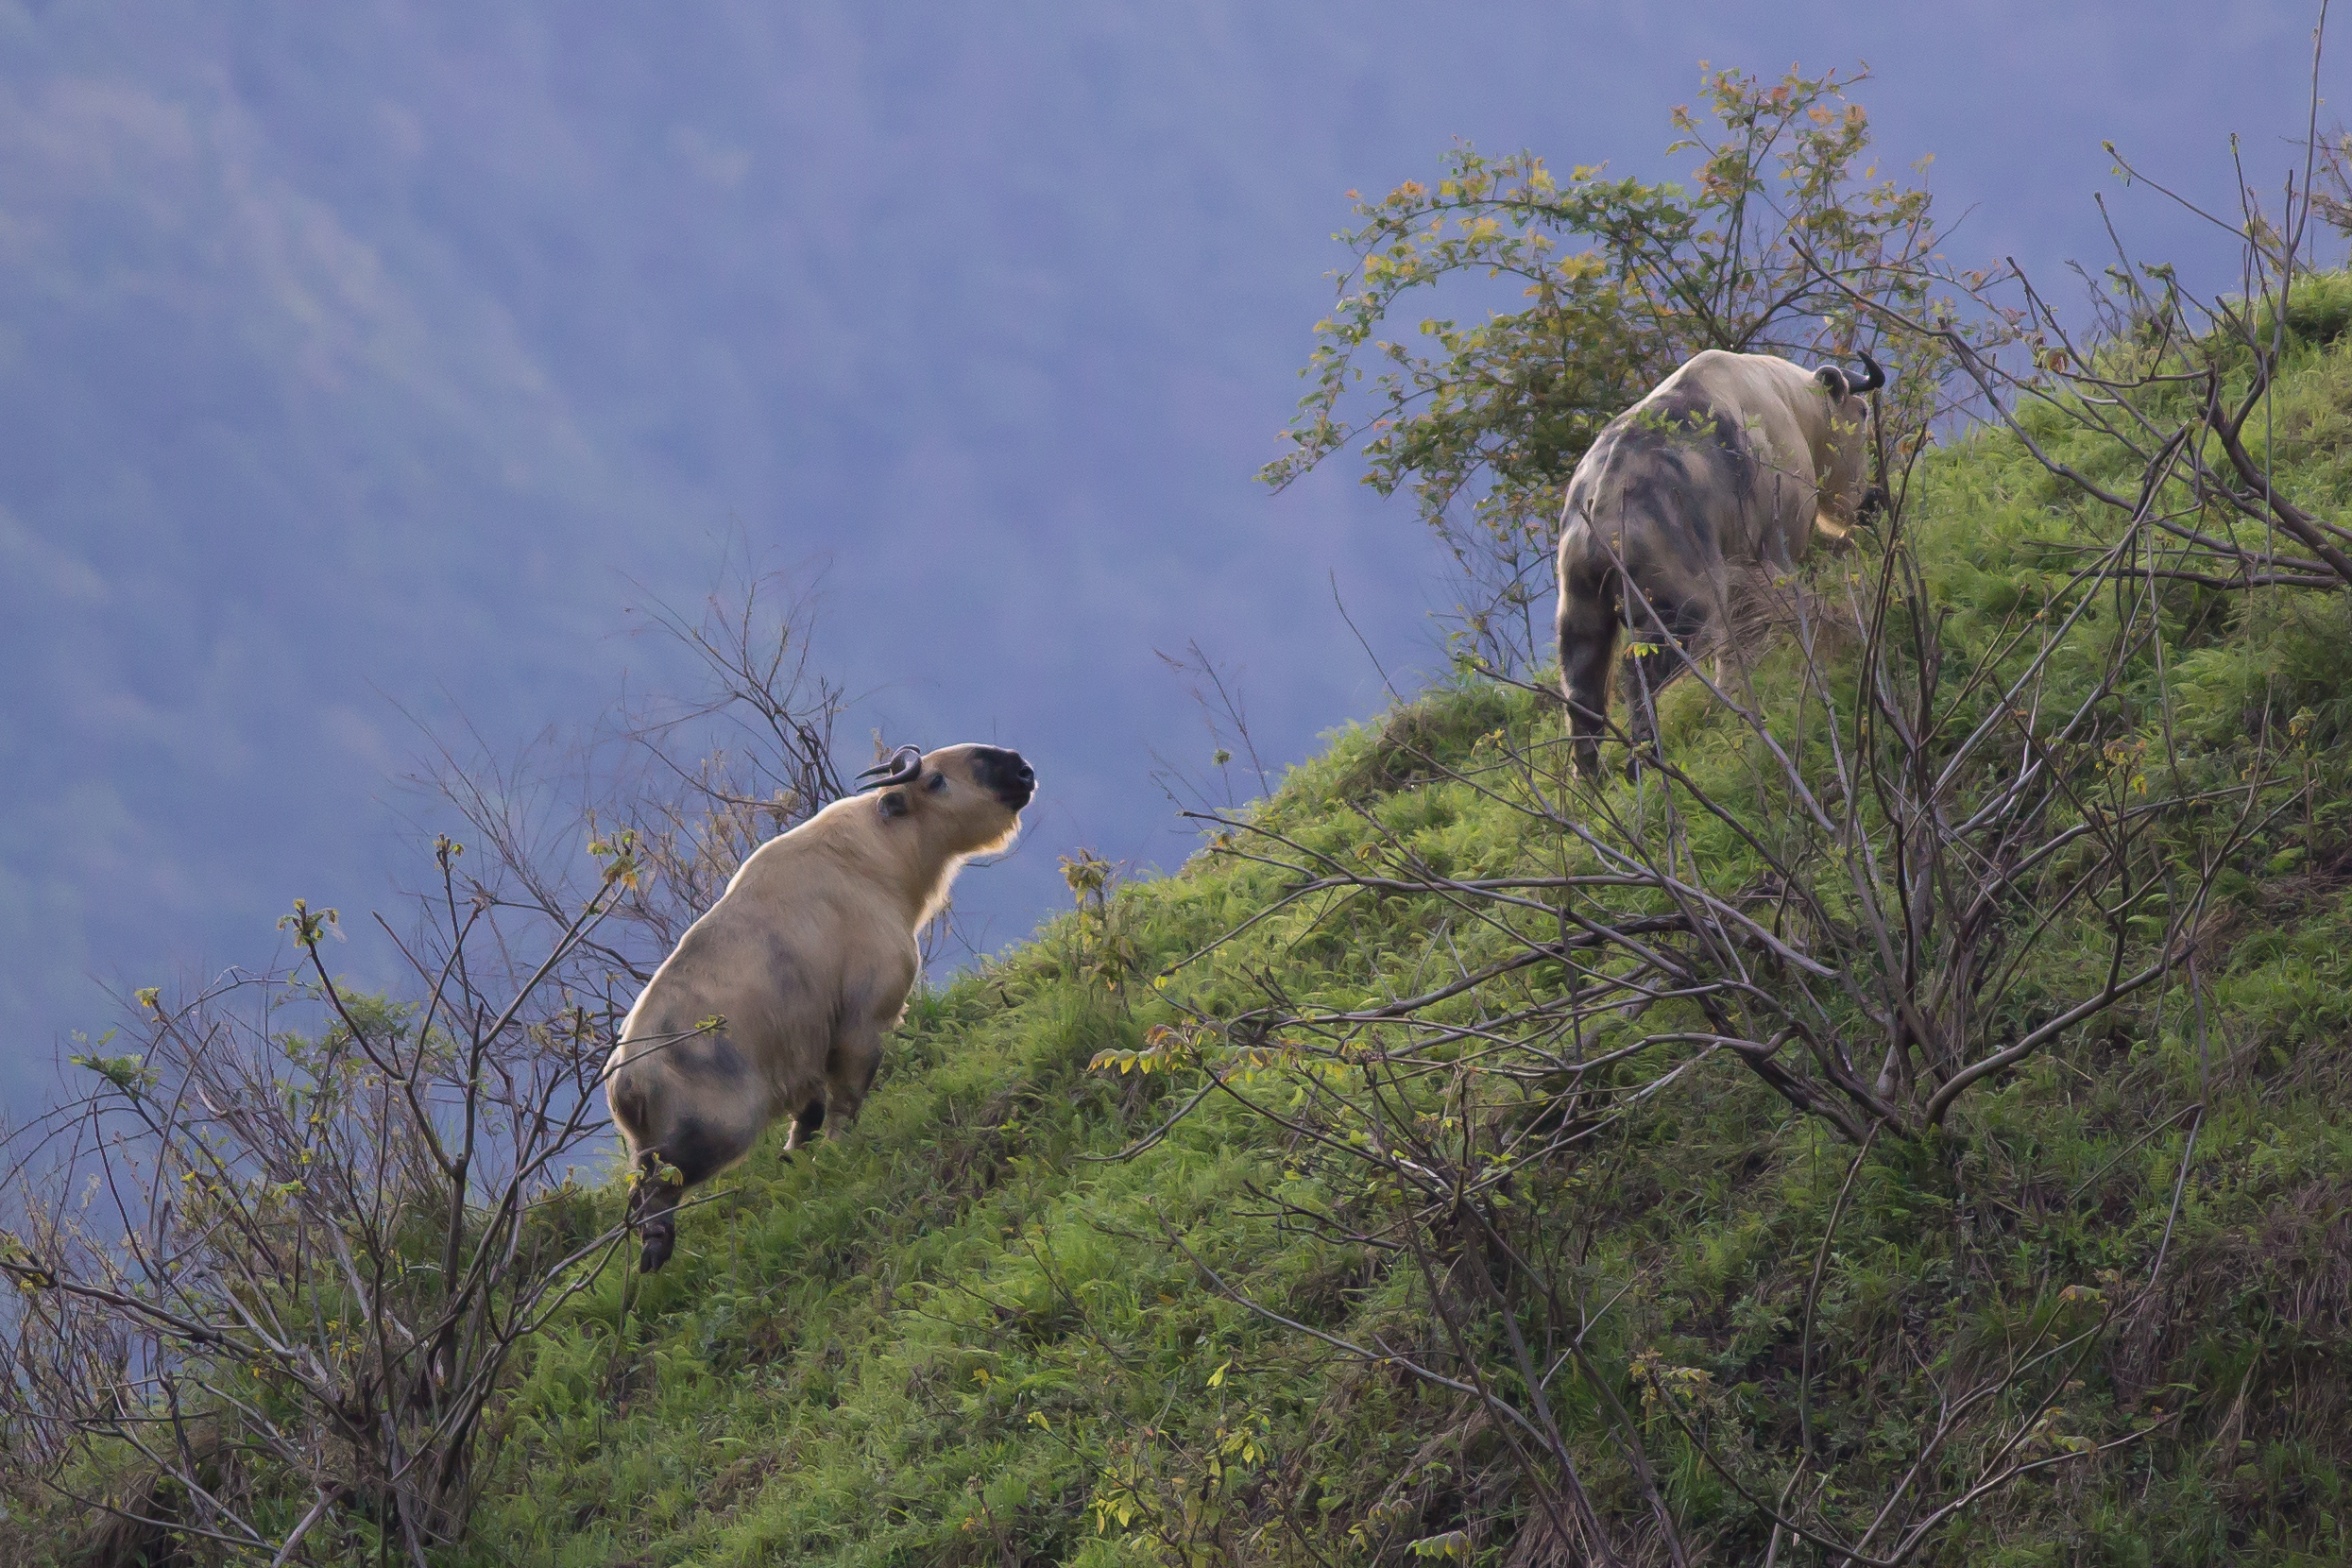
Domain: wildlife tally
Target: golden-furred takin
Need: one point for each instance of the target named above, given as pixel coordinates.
(1733, 460)
(775, 1001)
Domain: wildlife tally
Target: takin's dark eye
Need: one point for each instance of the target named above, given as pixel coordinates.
(938, 782)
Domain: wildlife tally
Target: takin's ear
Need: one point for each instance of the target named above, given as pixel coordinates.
(1833, 381)
(895, 805)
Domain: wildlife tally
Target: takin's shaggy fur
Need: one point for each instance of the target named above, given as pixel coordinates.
(775, 1001)
(1733, 460)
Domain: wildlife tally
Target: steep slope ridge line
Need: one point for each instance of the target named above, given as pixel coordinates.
(973, 1333)
(949, 1340)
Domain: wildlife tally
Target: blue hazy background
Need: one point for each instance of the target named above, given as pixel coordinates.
(360, 365)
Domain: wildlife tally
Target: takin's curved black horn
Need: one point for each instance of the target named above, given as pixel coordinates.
(904, 767)
(1878, 377)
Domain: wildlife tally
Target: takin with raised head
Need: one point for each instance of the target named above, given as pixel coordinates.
(775, 1001)
(1733, 460)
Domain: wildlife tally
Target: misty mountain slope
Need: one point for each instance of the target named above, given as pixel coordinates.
(375, 360)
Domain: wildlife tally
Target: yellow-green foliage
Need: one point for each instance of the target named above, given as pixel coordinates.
(959, 1333)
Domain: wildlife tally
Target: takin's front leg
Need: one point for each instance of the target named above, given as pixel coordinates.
(849, 1069)
(1651, 661)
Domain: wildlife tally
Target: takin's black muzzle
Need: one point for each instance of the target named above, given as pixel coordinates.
(1005, 774)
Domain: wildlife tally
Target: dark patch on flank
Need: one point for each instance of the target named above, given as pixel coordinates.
(1673, 471)
(1686, 406)
(628, 1106)
(786, 975)
(695, 1150)
(720, 1060)
(1736, 468)
(1659, 504)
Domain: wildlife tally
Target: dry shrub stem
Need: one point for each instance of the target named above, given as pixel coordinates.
(1837, 889)
(274, 1269)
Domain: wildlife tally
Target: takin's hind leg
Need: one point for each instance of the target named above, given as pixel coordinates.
(695, 1151)
(653, 1203)
(1651, 662)
(1655, 656)
(1587, 636)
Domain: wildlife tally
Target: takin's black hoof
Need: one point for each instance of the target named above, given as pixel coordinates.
(656, 1250)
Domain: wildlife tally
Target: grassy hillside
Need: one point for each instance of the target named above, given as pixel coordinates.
(1456, 1160)
(964, 1332)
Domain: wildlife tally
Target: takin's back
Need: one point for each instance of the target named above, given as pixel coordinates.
(1728, 459)
(775, 1001)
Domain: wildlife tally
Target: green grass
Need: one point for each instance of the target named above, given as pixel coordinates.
(965, 1332)
(960, 1333)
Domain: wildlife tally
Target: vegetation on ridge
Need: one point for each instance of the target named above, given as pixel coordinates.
(1408, 1177)
(960, 1335)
